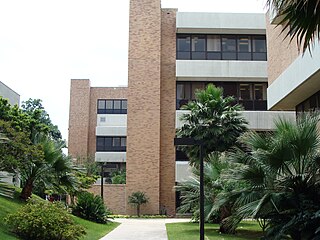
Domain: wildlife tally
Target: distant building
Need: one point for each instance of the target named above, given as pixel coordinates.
(13, 98)
(8, 93)
(171, 54)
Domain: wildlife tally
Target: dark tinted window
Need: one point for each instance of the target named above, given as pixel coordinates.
(112, 106)
(221, 47)
(111, 144)
(251, 95)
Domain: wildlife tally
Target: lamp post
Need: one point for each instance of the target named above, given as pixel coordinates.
(194, 142)
(101, 184)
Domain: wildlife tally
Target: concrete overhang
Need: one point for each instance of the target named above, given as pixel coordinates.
(298, 82)
(206, 70)
(221, 23)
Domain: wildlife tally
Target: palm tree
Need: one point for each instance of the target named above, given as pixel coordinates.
(53, 169)
(189, 190)
(137, 199)
(300, 17)
(214, 184)
(282, 171)
(214, 119)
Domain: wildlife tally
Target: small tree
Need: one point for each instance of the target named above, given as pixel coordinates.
(137, 199)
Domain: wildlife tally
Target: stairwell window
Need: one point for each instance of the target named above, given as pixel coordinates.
(112, 106)
(111, 144)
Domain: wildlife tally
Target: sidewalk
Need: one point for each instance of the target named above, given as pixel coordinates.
(141, 229)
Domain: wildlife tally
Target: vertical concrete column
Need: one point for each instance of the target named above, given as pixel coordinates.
(143, 133)
(79, 117)
(168, 110)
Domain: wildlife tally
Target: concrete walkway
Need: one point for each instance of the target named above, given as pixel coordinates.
(141, 229)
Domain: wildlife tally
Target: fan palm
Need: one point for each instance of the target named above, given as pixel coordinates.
(53, 169)
(213, 119)
(282, 170)
(137, 199)
(213, 185)
(300, 17)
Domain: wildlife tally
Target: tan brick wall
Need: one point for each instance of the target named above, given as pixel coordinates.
(79, 118)
(143, 133)
(168, 110)
(114, 196)
(95, 94)
(83, 115)
(281, 52)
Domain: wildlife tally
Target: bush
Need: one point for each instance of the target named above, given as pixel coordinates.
(119, 177)
(43, 220)
(90, 207)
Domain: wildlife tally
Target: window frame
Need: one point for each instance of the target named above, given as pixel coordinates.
(109, 144)
(112, 110)
(249, 104)
(219, 55)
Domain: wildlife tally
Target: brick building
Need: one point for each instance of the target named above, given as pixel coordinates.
(171, 54)
(294, 78)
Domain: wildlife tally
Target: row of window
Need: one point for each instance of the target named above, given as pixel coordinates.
(310, 104)
(253, 96)
(111, 144)
(112, 106)
(221, 47)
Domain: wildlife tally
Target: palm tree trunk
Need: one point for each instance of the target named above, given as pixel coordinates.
(27, 190)
(224, 213)
(138, 210)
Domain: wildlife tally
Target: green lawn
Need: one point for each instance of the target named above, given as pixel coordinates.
(190, 231)
(94, 230)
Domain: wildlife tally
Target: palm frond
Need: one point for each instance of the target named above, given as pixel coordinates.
(300, 19)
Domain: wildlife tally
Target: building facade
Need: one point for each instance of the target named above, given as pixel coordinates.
(9, 94)
(294, 78)
(171, 54)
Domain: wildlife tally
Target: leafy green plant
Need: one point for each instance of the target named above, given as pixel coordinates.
(213, 119)
(90, 207)
(300, 19)
(43, 220)
(137, 199)
(119, 177)
(281, 170)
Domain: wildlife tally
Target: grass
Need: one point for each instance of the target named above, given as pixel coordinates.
(7, 206)
(190, 231)
(94, 230)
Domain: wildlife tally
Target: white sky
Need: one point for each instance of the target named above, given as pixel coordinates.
(44, 44)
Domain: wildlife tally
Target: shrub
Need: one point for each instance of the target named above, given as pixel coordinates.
(119, 177)
(90, 207)
(43, 220)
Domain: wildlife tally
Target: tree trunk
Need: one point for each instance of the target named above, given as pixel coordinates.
(27, 190)
(138, 210)
(224, 213)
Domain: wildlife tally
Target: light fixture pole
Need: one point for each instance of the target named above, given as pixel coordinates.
(101, 184)
(193, 142)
